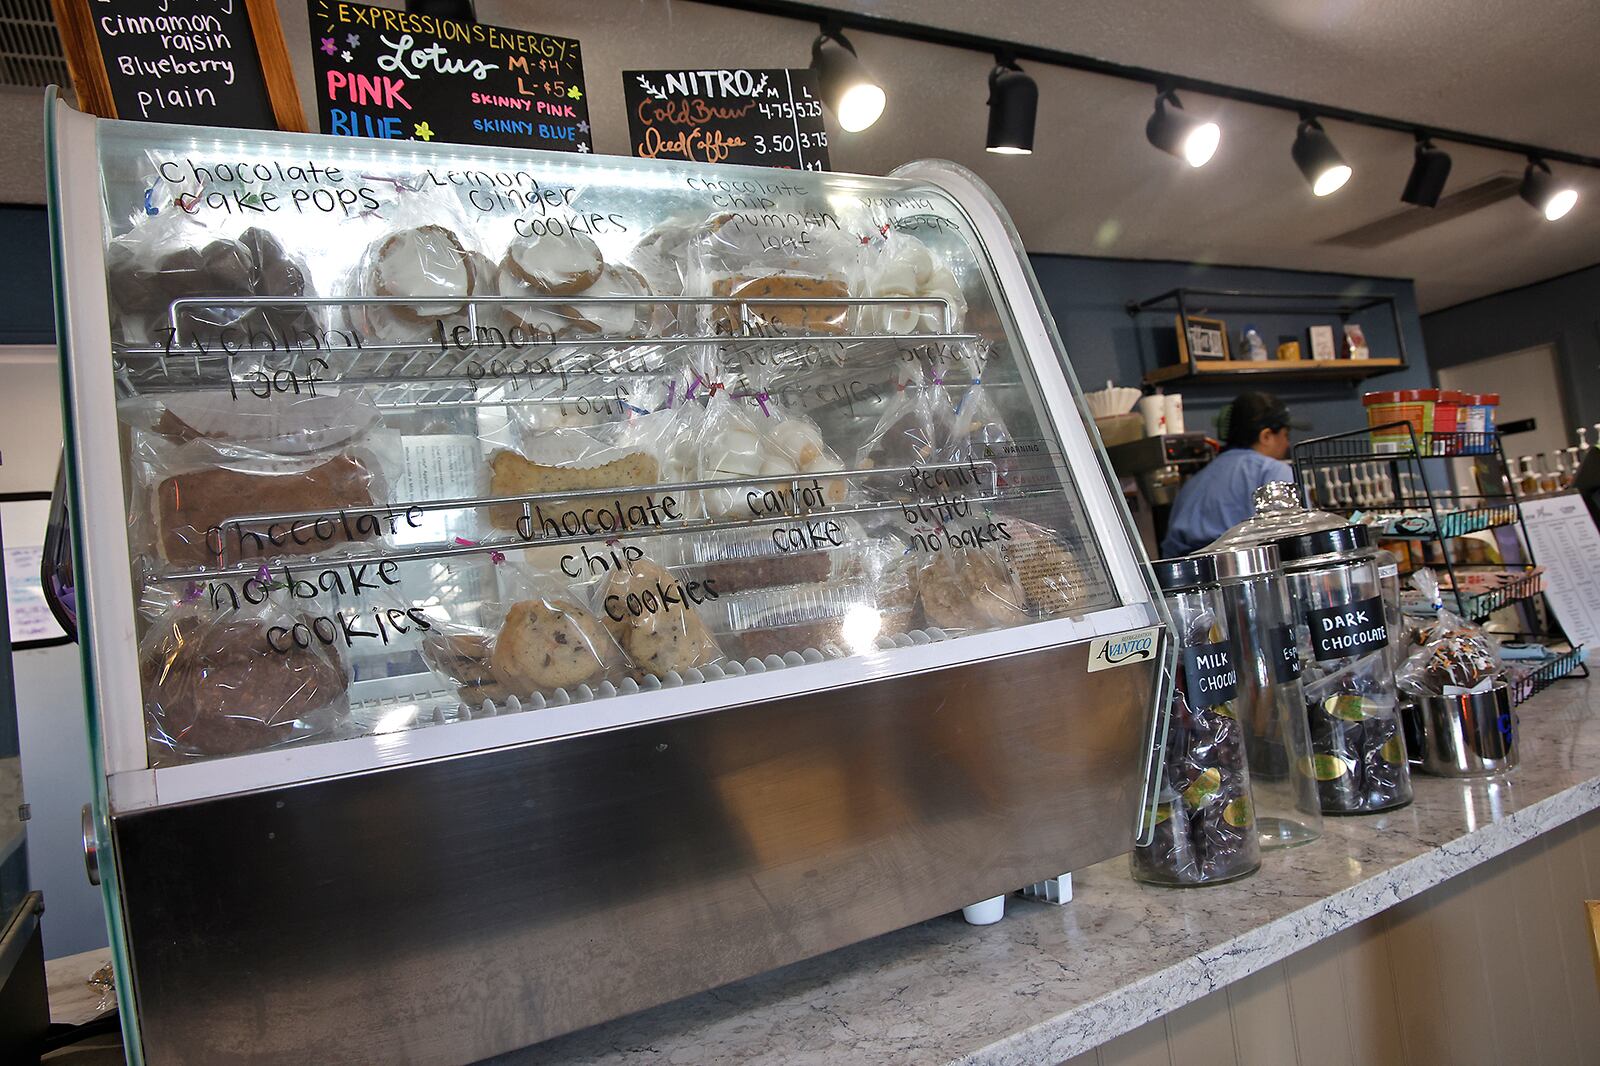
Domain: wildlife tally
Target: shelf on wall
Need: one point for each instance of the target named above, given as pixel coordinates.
(1305, 369)
(1189, 303)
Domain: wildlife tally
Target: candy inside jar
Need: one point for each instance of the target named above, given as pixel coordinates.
(1204, 814)
(1358, 755)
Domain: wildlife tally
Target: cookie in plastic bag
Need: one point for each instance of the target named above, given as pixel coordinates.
(251, 679)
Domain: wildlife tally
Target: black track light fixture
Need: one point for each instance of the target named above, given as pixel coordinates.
(850, 91)
(1314, 153)
(1429, 171)
(1013, 106)
(1545, 192)
(1179, 133)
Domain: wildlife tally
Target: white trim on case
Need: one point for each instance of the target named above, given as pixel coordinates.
(1094, 492)
(101, 515)
(315, 762)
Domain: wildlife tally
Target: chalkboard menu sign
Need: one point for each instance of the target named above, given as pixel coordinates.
(764, 118)
(403, 76)
(202, 62)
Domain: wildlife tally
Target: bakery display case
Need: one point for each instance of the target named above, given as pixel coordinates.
(516, 588)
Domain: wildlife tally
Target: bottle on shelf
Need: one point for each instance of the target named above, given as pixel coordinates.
(1583, 440)
(1548, 480)
(1527, 479)
(1574, 460)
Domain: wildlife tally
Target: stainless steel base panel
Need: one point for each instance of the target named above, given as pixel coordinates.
(449, 911)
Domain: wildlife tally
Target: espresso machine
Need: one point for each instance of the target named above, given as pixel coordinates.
(1151, 470)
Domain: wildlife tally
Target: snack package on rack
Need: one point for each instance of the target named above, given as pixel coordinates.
(246, 679)
(561, 285)
(976, 431)
(1051, 575)
(539, 636)
(900, 266)
(742, 438)
(281, 426)
(416, 281)
(911, 429)
(1455, 657)
(188, 493)
(870, 596)
(748, 257)
(654, 615)
(175, 256)
(662, 259)
(970, 589)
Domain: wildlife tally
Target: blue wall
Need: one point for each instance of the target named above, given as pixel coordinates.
(29, 300)
(1088, 297)
(1563, 311)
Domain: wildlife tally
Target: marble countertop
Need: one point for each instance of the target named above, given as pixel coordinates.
(1049, 982)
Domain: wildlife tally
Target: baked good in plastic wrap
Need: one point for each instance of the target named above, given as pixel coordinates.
(536, 635)
(899, 265)
(654, 616)
(193, 494)
(912, 430)
(1051, 575)
(970, 589)
(172, 256)
(785, 553)
(1204, 820)
(742, 438)
(870, 597)
(548, 270)
(244, 680)
(282, 426)
(1454, 657)
(775, 255)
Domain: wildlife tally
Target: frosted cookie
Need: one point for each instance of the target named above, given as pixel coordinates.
(554, 265)
(652, 616)
(428, 261)
(802, 440)
(548, 644)
(614, 319)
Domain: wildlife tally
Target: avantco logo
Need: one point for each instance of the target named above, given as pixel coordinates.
(1122, 649)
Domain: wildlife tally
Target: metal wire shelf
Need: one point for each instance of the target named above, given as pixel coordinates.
(282, 524)
(342, 355)
(1566, 665)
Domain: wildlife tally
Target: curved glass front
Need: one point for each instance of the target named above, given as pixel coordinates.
(416, 435)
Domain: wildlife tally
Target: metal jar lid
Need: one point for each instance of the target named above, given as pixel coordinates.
(1191, 571)
(1346, 540)
(1234, 563)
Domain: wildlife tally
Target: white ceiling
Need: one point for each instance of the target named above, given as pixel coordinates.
(1521, 71)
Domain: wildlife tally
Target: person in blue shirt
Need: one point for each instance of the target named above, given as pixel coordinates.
(1255, 433)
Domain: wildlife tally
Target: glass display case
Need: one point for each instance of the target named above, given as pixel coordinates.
(461, 530)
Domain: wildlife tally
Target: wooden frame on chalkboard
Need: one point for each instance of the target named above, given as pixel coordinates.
(87, 65)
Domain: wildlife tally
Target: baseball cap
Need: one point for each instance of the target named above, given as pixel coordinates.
(1241, 421)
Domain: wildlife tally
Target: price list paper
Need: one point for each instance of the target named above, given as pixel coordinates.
(1566, 543)
(396, 75)
(764, 118)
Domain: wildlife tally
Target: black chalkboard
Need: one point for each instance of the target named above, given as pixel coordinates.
(765, 118)
(396, 75)
(185, 61)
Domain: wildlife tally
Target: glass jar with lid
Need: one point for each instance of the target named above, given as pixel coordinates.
(1204, 818)
(1358, 754)
(1279, 513)
(1270, 703)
